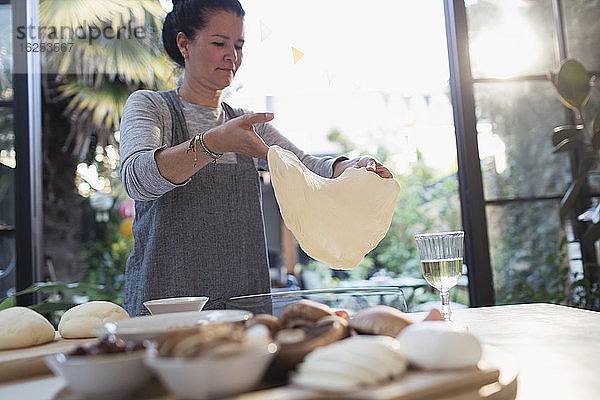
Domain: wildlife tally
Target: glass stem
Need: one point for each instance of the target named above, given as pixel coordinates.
(446, 311)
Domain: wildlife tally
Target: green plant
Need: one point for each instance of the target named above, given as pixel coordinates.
(104, 259)
(59, 297)
(582, 141)
(573, 84)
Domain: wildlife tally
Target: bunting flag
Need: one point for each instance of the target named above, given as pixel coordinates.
(329, 77)
(297, 54)
(265, 31)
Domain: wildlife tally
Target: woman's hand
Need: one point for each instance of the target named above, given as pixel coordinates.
(238, 135)
(364, 161)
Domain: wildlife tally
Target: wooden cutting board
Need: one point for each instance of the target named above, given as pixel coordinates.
(494, 379)
(29, 361)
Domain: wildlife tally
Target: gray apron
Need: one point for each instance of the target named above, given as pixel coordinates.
(206, 238)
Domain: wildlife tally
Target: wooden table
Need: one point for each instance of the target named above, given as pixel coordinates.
(556, 349)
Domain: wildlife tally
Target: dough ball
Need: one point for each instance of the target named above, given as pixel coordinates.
(22, 327)
(336, 221)
(438, 345)
(353, 363)
(79, 321)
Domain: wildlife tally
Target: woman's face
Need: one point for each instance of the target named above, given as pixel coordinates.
(215, 54)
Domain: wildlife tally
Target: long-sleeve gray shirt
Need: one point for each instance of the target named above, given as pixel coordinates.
(146, 127)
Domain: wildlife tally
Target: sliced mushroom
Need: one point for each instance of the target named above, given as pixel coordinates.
(379, 320)
(327, 319)
(193, 342)
(290, 354)
(304, 309)
(299, 324)
(265, 319)
(290, 336)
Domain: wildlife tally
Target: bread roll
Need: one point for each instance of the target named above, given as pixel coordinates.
(438, 345)
(79, 321)
(22, 327)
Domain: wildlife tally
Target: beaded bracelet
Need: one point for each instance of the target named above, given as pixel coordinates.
(199, 139)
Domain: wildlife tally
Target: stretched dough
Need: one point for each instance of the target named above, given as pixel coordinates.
(336, 221)
(79, 321)
(22, 327)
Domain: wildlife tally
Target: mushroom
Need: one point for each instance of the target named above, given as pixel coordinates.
(379, 320)
(307, 310)
(290, 336)
(295, 346)
(267, 320)
(325, 320)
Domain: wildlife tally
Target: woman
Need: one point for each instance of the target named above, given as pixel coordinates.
(190, 162)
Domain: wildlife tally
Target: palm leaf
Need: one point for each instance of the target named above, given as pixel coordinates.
(106, 69)
(147, 13)
(93, 110)
(75, 13)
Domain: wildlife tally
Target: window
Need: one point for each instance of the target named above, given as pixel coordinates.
(7, 157)
(345, 78)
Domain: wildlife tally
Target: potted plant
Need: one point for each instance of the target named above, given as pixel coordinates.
(581, 140)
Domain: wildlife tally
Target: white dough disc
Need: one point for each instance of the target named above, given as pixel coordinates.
(22, 327)
(336, 221)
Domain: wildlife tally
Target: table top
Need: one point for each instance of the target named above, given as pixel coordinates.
(556, 349)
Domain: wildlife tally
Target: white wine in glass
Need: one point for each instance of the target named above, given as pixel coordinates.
(441, 259)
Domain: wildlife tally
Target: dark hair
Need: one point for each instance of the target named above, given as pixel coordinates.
(189, 16)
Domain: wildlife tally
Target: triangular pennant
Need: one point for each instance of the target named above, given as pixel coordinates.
(297, 54)
(329, 77)
(265, 31)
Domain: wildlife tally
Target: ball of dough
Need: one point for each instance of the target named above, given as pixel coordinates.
(22, 327)
(79, 321)
(438, 345)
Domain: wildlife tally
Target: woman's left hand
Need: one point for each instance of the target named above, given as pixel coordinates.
(367, 162)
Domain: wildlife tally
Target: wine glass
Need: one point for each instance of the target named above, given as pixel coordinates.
(441, 257)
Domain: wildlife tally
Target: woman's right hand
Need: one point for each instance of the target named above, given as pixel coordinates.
(238, 136)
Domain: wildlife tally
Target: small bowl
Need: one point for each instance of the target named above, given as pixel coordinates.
(107, 376)
(175, 304)
(154, 326)
(203, 378)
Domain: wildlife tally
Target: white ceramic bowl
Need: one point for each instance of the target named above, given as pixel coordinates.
(154, 326)
(175, 304)
(108, 376)
(204, 379)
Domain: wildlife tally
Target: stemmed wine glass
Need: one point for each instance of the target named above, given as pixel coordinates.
(441, 257)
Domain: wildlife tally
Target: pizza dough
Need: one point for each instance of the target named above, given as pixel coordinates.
(336, 221)
(22, 327)
(352, 363)
(438, 345)
(79, 321)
